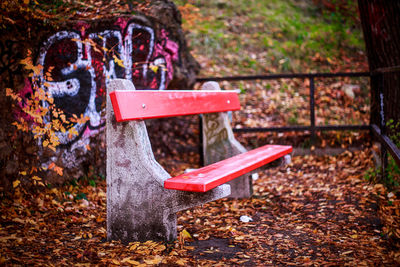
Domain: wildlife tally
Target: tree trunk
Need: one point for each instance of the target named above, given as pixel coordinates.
(381, 26)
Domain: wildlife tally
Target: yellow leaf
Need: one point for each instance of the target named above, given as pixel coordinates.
(18, 220)
(115, 262)
(134, 246)
(156, 260)
(54, 191)
(22, 173)
(347, 252)
(181, 262)
(45, 143)
(82, 119)
(9, 92)
(119, 62)
(128, 260)
(16, 183)
(154, 68)
(173, 253)
(77, 238)
(27, 62)
(161, 248)
(36, 178)
(26, 2)
(59, 170)
(185, 234)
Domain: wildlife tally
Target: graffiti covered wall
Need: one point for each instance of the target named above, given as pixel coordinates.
(53, 65)
(80, 62)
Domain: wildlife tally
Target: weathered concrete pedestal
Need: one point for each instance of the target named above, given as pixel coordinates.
(219, 143)
(138, 206)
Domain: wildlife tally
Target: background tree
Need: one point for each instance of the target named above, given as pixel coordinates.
(380, 21)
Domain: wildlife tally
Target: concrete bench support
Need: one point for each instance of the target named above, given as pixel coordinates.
(138, 206)
(219, 143)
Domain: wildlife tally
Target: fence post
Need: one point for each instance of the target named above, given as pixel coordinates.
(382, 124)
(312, 109)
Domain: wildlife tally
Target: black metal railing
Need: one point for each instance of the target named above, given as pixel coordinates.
(379, 131)
(311, 76)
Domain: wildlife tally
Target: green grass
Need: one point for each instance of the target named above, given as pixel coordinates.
(282, 35)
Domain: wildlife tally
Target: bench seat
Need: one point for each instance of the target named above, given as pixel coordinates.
(211, 176)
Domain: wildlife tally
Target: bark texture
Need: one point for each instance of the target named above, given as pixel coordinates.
(380, 21)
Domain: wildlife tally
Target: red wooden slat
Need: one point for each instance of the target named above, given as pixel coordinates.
(150, 104)
(211, 176)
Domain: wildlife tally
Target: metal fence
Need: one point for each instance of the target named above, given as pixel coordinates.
(379, 131)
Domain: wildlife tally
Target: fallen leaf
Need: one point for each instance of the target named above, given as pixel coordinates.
(16, 183)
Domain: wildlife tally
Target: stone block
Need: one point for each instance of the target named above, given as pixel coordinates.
(219, 143)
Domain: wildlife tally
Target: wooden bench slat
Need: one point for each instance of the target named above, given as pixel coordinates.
(211, 176)
(150, 104)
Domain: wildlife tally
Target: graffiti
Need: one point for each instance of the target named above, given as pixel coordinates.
(382, 113)
(81, 63)
(216, 137)
(214, 129)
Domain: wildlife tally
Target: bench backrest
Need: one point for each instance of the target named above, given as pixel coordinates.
(150, 104)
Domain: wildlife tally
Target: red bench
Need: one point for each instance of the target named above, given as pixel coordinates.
(140, 203)
(141, 105)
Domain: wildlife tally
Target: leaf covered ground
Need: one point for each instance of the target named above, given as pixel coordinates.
(319, 211)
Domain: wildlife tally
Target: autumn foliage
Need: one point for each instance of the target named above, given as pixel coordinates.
(39, 117)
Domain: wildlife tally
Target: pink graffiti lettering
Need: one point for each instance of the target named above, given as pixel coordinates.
(121, 22)
(168, 50)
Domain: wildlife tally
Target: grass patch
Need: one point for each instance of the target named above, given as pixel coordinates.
(278, 36)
